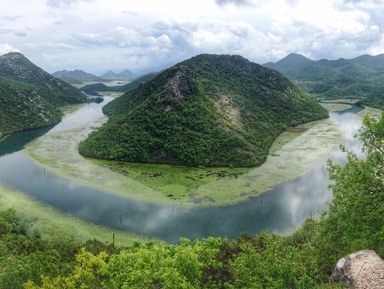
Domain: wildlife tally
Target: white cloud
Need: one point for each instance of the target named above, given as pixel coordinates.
(234, 2)
(6, 48)
(143, 34)
(62, 3)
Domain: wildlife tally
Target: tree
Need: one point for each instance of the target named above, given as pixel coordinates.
(84, 276)
(355, 220)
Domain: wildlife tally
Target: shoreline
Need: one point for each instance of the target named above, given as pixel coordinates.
(52, 223)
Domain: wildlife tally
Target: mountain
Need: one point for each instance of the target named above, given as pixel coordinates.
(97, 87)
(76, 76)
(124, 75)
(16, 66)
(211, 110)
(23, 108)
(360, 77)
(29, 96)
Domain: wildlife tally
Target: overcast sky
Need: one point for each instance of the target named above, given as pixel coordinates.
(142, 35)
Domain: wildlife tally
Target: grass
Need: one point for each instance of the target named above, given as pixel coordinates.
(52, 223)
(175, 182)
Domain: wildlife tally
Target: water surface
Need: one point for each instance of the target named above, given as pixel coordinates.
(278, 210)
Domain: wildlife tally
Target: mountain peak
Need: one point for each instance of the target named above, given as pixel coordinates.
(13, 54)
(294, 58)
(123, 75)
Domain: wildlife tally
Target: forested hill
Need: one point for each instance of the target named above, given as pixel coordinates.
(211, 110)
(362, 76)
(29, 96)
(17, 67)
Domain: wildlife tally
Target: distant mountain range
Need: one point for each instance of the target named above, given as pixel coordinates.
(29, 96)
(210, 110)
(125, 75)
(77, 76)
(360, 77)
(95, 88)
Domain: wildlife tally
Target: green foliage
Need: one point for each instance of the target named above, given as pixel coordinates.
(10, 223)
(264, 261)
(354, 220)
(161, 265)
(85, 274)
(24, 256)
(267, 261)
(210, 110)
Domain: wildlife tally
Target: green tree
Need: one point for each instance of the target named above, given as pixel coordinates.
(162, 265)
(355, 220)
(84, 276)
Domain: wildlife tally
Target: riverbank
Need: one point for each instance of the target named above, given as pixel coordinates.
(292, 155)
(51, 223)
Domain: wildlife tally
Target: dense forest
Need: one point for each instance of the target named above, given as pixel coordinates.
(210, 110)
(32, 111)
(304, 259)
(29, 96)
(360, 77)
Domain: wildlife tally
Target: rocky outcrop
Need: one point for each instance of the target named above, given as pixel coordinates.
(360, 270)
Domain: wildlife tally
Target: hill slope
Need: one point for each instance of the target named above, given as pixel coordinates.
(15, 66)
(362, 76)
(212, 110)
(29, 96)
(23, 108)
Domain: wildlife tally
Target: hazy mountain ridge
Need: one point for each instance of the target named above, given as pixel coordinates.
(360, 77)
(213, 110)
(96, 87)
(123, 75)
(77, 76)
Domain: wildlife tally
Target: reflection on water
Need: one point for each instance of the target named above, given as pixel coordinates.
(278, 210)
(17, 141)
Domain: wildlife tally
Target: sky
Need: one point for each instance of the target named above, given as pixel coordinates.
(149, 35)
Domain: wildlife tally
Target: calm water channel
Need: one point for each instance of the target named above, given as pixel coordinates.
(278, 210)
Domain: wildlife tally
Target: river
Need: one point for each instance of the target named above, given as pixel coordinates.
(278, 210)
